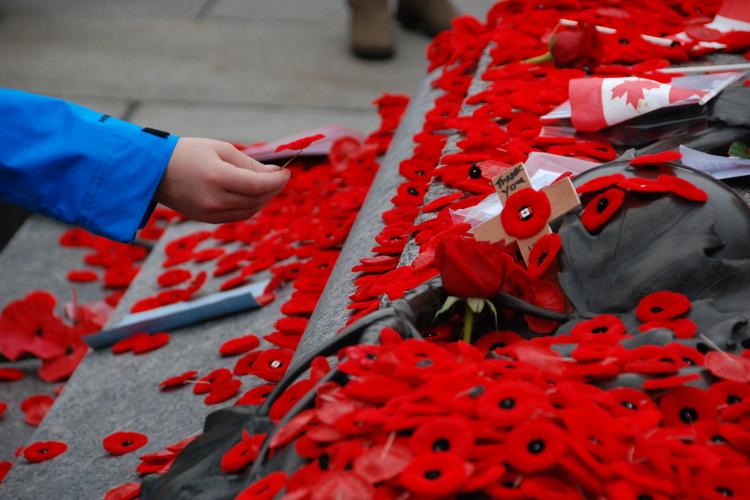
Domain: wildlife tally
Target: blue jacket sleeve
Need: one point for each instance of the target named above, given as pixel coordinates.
(79, 166)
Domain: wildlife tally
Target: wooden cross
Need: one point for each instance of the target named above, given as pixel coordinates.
(561, 195)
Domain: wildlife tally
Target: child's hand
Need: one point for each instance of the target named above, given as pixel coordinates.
(211, 181)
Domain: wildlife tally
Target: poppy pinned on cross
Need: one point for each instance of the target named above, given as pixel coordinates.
(526, 212)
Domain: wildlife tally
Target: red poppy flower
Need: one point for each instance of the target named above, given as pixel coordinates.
(31, 326)
(628, 402)
(718, 484)
(223, 391)
(213, 379)
(60, 368)
(471, 268)
(510, 403)
(543, 294)
(525, 213)
(178, 381)
(120, 276)
(435, 473)
(662, 306)
(77, 237)
(173, 277)
(341, 484)
(82, 276)
(121, 443)
(535, 446)
(265, 488)
(496, 340)
(683, 188)
(727, 393)
(728, 366)
(603, 324)
(271, 364)
(239, 345)
(10, 374)
(243, 453)
(443, 434)
(662, 157)
(128, 491)
(683, 406)
(300, 143)
(145, 304)
(3, 407)
(289, 398)
(35, 408)
(44, 450)
(600, 209)
(543, 253)
(150, 343)
(598, 150)
(256, 395)
(128, 343)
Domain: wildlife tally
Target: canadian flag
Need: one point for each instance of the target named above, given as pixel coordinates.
(733, 15)
(596, 103)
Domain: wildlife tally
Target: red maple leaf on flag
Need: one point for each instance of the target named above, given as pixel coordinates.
(634, 89)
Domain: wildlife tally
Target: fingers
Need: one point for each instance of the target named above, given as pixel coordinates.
(239, 159)
(251, 183)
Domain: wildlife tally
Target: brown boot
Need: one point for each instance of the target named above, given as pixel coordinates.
(371, 32)
(431, 16)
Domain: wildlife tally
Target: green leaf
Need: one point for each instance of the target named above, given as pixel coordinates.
(447, 305)
(739, 150)
(475, 304)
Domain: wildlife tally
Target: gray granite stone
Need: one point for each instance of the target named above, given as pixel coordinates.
(331, 314)
(109, 393)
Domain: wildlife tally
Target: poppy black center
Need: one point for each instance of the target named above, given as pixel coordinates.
(643, 496)
(507, 403)
(476, 391)
(412, 191)
(629, 405)
(536, 446)
(475, 172)
(510, 485)
(394, 238)
(324, 461)
(724, 491)
(542, 258)
(441, 444)
(594, 440)
(370, 356)
(668, 360)
(525, 213)
(656, 309)
(432, 474)
(733, 400)
(602, 205)
(39, 331)
(689, 361)
(127, 443)
(423, 363)
(688, 415)
(600, 329)
(497, 345)
(624, 41)
(719, 439)
(69, 350)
